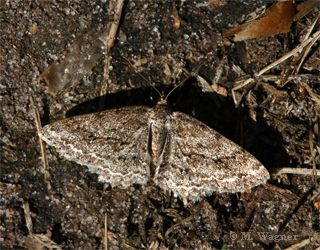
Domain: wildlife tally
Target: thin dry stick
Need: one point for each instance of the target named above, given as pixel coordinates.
(299, 245)
(310, 29)
(291, 53)
(301, 171)
(305, 43)
(43, 239)
(314, 97)
(26, 209)
(106, 230)
(175, 226)
(312, 154)
(42, 143)
(239, 87)
(109, 44)
(317, 192)
(114, 26)
(306, 52)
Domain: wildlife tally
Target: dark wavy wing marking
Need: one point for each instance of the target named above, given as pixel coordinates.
(113, 143)
(198, 161)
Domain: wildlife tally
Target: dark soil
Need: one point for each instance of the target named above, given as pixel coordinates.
(277, 124)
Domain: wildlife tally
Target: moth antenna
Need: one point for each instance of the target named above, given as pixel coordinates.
(145, 80)
(163, 100)
(181, 83)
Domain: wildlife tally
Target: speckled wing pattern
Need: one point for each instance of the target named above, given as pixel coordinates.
(198, 161)
(112, 143)
(182, 155)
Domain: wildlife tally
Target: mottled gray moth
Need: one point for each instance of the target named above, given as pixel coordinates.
(131, 144)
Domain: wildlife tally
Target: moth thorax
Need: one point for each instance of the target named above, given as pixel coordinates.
(158, 133)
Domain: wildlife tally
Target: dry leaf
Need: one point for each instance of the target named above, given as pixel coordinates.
(80, 58)
(277, 19)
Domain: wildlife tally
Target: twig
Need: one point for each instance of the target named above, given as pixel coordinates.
(299, 245)
(291, 53)
(312, 153)
(109, 44)
(310, 40)
(306, 52)
(239, 86)
(175, 226)
(106, 231)
(301, 171)
(114, 26)
(310, 92)
(43, 239)
(316, 193)
(29, 224)
(311, 28)
(42, 143)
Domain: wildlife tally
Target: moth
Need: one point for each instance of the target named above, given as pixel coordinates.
(175, 151)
